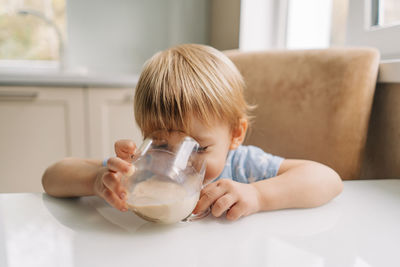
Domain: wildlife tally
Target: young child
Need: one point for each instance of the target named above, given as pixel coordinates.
(198, 90)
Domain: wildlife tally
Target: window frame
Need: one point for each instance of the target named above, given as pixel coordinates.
(361, 33)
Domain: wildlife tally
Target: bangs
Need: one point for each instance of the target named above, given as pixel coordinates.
(187, 82)
(170, 107)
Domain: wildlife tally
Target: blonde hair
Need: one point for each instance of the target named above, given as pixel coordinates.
(189, 80)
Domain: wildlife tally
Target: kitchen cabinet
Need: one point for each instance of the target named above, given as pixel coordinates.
(111, 118)
(38, 127)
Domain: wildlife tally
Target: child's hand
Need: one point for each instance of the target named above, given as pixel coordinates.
(108, 182)
(125, 149)
(237, 199)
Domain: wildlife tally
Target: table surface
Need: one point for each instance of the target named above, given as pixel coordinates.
(360, 228)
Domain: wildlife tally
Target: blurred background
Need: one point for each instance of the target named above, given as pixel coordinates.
(68, 67)
(118, 36)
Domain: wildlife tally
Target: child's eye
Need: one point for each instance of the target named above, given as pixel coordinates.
(202, 149)
(161, 146)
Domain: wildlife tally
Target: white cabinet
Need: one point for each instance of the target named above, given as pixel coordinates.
(38, 127)
(110, 118)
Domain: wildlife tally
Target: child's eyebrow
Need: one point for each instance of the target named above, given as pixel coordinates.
(201, 139)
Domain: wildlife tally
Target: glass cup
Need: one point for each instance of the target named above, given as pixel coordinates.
(169, 174)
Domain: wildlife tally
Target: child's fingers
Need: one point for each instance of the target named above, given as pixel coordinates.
(113, 182)
(223, 204)
(236, 211)
(113, 199)
(125, 149)
(104, 192)
(209, 195)
(119, 165)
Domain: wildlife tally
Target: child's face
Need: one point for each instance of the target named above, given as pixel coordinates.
(215, 143)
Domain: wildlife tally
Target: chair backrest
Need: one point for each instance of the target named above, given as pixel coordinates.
(311, 104)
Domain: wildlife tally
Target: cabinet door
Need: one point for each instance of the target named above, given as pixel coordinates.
(110, 118)
(38, 127)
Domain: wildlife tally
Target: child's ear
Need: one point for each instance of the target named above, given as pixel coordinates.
(238, 134)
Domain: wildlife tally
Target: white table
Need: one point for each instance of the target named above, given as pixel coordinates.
(360, 228)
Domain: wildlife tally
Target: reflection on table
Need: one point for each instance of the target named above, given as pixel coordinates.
(359, 228)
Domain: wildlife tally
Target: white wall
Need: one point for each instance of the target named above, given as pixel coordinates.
(118, 36)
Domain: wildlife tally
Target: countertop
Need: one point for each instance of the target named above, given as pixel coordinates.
(360, 228)
(65, 78)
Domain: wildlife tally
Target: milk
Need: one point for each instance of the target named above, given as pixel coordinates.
(162, 201)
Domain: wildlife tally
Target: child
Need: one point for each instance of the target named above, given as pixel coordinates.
(197, 89)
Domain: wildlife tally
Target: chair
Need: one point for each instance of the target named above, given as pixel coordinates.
(311, 104)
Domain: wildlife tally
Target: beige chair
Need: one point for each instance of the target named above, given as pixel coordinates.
(311, 104)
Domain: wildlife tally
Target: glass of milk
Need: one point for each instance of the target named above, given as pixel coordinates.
(167, 179)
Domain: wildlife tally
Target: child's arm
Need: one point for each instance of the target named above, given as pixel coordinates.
(299, 184)
(72, 177)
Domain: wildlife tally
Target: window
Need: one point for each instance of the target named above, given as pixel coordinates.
(31, 31)
(308, 24)
(385, 12)
(292, 24)
(375, 23)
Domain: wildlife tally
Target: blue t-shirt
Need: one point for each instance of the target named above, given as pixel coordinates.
(249, 164)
